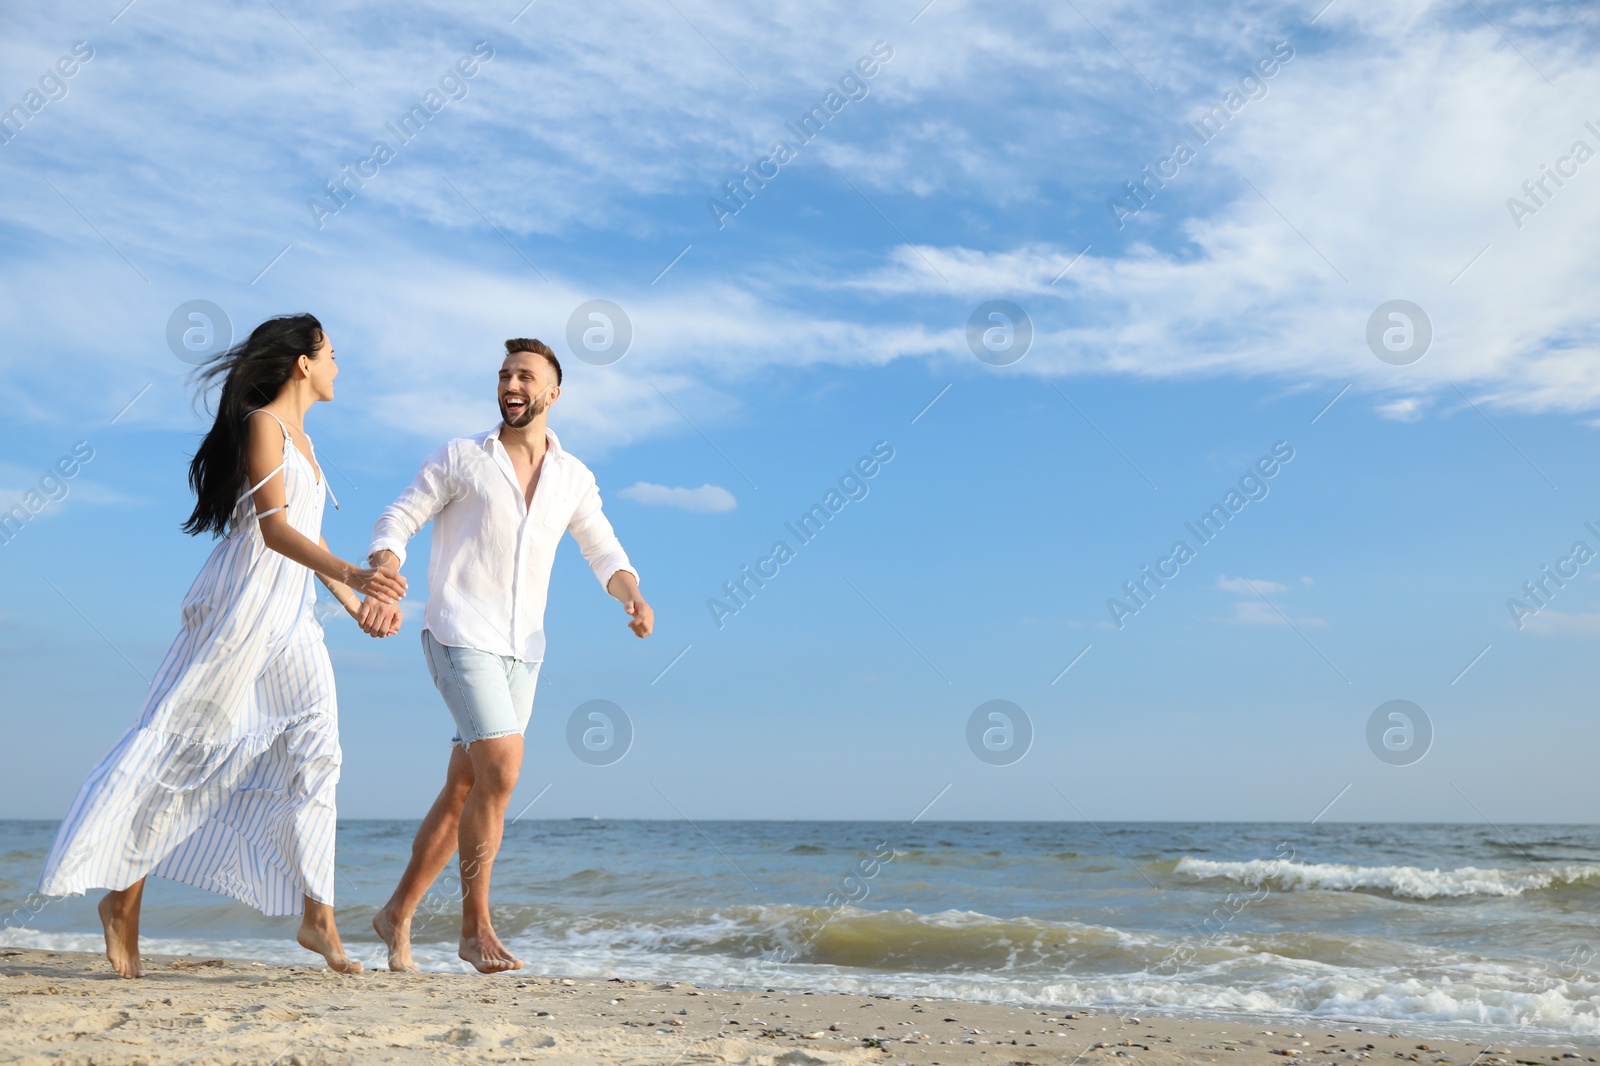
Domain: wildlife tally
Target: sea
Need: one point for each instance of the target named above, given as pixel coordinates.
(1472, 931)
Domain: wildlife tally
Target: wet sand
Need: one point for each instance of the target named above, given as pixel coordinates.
(65, 1007)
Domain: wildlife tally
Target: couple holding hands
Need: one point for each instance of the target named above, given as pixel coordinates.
(227, 779)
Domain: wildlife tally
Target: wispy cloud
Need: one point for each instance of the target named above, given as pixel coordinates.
(17, 481)
(1234, 268)
(1552, 623)
(1260, 602)
(704, 498)
(1242, 586)
(1406, 409)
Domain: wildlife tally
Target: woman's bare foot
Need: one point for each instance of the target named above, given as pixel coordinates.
(318, 933)
(119, 913)
(396, 933)
(486, 953)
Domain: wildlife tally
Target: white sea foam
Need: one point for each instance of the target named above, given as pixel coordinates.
(1411, 882)
(1432, 989)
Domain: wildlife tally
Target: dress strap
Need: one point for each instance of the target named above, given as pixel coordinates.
(258, 486)
(325, 483)
(288, 442)
(275, 418)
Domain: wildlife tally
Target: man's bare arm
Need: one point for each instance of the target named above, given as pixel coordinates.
(624, 587)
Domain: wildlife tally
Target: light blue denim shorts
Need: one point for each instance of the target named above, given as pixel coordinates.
(488, 695)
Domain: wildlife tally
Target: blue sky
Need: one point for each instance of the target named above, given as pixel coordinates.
(1173, 346)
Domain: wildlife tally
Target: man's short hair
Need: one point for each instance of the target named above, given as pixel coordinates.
(537, 347)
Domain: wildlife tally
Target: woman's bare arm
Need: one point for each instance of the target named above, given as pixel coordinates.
(341, 592)
(263, 454)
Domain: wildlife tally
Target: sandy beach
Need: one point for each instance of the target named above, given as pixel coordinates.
(65, 1007)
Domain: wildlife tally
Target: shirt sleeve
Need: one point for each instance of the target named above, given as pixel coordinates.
(425, 497)
(596, 539)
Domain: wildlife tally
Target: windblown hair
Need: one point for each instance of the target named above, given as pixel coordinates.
(252, 373)
(537, 347)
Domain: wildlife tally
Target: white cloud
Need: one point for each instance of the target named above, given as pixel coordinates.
(1242, 585)
(1255, 613)
(1551, 623)
(1254, 609)
(1350, 213)
(17, 481)
(1407, 409)
(1258, 613)
(704, 498)
(1212, 278)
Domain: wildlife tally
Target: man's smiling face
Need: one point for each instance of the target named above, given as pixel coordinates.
(527, 388)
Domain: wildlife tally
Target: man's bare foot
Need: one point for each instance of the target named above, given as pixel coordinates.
(122, 936)
(397, 935)
(318, 933)
(486, 953)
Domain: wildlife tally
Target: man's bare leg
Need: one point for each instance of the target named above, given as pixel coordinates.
(319, 933)
(495, 766)
(435, 842)
(119, 913)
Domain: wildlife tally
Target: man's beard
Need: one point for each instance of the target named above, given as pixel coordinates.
(533, 410)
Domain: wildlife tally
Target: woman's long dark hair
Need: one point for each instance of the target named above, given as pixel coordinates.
(252, 372)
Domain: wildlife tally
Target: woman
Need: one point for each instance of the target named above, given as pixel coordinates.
(227, 779)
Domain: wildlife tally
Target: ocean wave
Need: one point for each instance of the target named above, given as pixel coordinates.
(1409, 882)
(954, 941)
(846, 937)
(954, 855)
(1447, 993)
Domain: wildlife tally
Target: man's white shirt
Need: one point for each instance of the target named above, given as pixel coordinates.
(489, 569)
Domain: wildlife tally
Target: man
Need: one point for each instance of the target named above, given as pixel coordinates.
(498, 502)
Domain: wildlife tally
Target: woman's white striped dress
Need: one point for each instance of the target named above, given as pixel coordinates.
(227, 780)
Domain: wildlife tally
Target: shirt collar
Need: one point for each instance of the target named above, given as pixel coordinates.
(551, 440)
